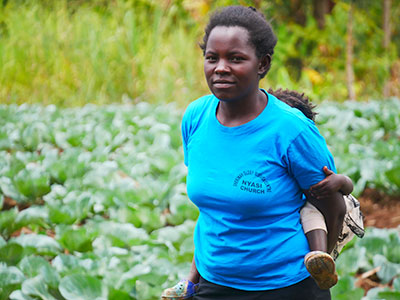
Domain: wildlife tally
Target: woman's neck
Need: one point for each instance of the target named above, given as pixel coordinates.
(239, 112)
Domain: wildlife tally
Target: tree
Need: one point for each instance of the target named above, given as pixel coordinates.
(320, 9)
(386, 39)
(349, 55)
(297, 11)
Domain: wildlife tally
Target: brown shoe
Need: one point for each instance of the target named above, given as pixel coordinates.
(321, 266)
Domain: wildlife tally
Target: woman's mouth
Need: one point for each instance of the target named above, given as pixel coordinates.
(221, 84)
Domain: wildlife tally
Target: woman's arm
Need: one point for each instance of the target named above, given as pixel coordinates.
(333, 209)
(305, 156)
(327, 196)
(194, 275)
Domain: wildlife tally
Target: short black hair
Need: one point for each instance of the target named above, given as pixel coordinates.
(296, 100)
(260, 31)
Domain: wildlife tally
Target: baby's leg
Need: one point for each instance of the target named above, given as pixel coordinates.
(314, 227)
(333, 209)
(319, 264)
(317, 240)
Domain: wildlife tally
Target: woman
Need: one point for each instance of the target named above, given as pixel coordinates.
(250, 158)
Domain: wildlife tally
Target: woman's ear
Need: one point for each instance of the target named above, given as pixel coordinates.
(264, 64)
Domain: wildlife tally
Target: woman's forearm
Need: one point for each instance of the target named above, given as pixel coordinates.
(194, 275)
(333, 209)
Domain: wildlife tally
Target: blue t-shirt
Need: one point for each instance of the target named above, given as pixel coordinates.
(247, 182)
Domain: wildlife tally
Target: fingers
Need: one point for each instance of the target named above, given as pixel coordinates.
(320, 193)
(320, 185)
(327, 171)
(321, 189)
(319, 196)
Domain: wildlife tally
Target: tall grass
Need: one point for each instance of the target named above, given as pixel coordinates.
(91, 55)
(71, 52)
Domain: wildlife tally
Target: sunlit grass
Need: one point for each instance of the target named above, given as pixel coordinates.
(71, 53)
(55, 56)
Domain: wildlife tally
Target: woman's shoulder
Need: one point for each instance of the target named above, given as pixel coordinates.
(198, 107)
(202, 102)
(290, 122)
(288, 114)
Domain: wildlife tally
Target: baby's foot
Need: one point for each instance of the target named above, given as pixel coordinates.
(184, 289)
(321, 266)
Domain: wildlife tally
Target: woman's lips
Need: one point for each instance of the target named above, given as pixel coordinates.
(223, 84)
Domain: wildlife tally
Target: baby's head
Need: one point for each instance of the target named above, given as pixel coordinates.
(262, 37)
(296, 100)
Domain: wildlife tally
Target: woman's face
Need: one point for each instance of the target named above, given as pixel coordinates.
(231, 66)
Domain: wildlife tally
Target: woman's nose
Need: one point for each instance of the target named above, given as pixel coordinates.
(222, 66)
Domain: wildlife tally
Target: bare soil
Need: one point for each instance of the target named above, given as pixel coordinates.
(380, 210)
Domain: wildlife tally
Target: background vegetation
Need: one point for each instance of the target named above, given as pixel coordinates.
(93, 200)
(94, 206)
(72, 52)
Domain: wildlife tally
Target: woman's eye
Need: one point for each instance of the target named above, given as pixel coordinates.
(211, 58)
(237, 59)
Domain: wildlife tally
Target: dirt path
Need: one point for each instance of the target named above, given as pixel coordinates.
(380, 210)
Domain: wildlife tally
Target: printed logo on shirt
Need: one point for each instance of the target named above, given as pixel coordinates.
(252, 182)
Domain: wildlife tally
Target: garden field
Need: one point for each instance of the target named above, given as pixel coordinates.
(93, 202)
(94, 206)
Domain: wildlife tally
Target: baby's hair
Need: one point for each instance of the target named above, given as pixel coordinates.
(260, 31)
(296, 100)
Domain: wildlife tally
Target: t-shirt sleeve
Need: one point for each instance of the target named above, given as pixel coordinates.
(307, 155)
(185, 136)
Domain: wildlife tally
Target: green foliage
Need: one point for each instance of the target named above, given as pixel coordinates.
(372, 251)
(111, 173)
(11, 253)
(346, 290)
(364, 140)
(37, 287)
(7, 222)
(74, 55)
(38, 244)
(81, 287)
(112, 219)
(10, 279)
(75, 52)
(33, 266)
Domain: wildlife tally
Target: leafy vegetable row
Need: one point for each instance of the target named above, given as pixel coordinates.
(93, 200)
(365, 140)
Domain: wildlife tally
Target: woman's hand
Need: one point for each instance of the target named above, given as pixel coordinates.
(326, 187)
(327, 197)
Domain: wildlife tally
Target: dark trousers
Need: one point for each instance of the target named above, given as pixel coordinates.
(304, 290)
